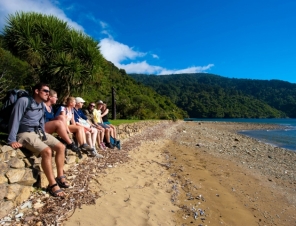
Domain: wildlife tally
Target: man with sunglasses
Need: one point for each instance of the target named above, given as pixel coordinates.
(26, 129)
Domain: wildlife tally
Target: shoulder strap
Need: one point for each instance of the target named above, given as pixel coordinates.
(75, 111)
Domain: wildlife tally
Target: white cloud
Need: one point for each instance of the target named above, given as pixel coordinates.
(47, 7)
(140, 68)
(155, 56)
(117, 53)
(197, 69)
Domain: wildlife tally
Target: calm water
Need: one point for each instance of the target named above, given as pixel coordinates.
(285, 138)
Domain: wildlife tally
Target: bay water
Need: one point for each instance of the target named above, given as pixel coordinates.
(285, 137)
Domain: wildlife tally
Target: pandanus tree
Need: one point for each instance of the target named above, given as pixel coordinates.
(64, 58)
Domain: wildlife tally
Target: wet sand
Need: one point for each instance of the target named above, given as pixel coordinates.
(188, 173)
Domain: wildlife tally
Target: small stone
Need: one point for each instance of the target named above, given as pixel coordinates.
(38, 205)
(27, 204)
(19, 215)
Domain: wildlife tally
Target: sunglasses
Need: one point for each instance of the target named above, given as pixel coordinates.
(92, 105)
(45, 90)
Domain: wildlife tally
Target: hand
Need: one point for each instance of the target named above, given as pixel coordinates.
(16, 145)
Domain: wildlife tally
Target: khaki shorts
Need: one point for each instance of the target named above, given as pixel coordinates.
(34, 143)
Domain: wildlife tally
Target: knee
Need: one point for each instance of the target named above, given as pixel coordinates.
(46, 153)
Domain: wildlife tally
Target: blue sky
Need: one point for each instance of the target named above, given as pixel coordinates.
(252, 39)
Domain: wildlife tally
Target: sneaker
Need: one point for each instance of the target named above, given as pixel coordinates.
(103, 144)
(86, 148)
(109, 145)
(73, 147)
(102, 147)
(94, 153)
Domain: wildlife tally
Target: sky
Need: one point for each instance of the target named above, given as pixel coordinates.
(251, 39)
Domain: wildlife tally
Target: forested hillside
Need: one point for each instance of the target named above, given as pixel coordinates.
(208, 95)
(40, 48)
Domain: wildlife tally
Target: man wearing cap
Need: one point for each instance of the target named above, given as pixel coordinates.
(81, 120)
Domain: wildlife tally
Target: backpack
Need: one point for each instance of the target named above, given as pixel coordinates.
(8, 103)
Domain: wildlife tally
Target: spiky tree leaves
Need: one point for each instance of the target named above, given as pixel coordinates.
(65, 58)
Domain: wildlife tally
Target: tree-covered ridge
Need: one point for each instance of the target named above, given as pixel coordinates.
(208, 95)
(40, 48)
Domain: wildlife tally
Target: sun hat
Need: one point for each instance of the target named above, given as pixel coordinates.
(100, 102)
(79, 100)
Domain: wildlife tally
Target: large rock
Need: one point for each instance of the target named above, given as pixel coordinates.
(23, 194)
(5, 208)
(6, 148)
(3, 191)
(20, 154)
(3, 179)
(28, 179)
(16, 163)
(43, 183)
(27, 163)
(12, 191)
(3, 167)
(15, 175)
(5, 156)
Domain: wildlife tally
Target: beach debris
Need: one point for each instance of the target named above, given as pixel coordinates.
(201, 212)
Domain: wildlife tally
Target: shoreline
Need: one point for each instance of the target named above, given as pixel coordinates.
(181, 173)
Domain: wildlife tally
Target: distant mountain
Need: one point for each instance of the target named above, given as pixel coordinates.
(209, 95)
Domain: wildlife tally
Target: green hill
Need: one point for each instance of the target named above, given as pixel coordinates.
(208, 95)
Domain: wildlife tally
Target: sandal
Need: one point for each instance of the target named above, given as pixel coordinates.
(54, 193)
(60, 183)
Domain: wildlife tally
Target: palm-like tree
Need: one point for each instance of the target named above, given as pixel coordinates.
(63, 57)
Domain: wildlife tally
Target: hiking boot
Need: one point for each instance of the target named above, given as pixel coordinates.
(73, 147)
(86, 148)
(94, 153)
(109, 145)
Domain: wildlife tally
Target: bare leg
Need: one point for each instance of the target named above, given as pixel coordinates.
(114, 131)
(79, 133)
(88, 138)
(58, 126)
(94, 136)
(60, 158)
(47, 168)
(107, 135)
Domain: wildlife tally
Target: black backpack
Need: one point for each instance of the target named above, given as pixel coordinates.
(8, 103)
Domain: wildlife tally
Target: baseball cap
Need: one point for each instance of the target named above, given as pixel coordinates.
(79, 100)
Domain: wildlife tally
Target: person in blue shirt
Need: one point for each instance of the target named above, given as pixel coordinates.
(26, 129)
(57, 124)
(81, 120)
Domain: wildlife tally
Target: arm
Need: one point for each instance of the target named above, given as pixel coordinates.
(14, 121)
(105, 112)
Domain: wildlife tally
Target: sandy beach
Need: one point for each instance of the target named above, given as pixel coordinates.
(190, 173)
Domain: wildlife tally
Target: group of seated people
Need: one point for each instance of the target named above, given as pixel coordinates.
(87, 125)
(32, 127)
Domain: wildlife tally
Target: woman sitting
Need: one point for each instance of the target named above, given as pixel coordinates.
(104, 115)
(98, 121)
(68, 112)
(57, 124)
